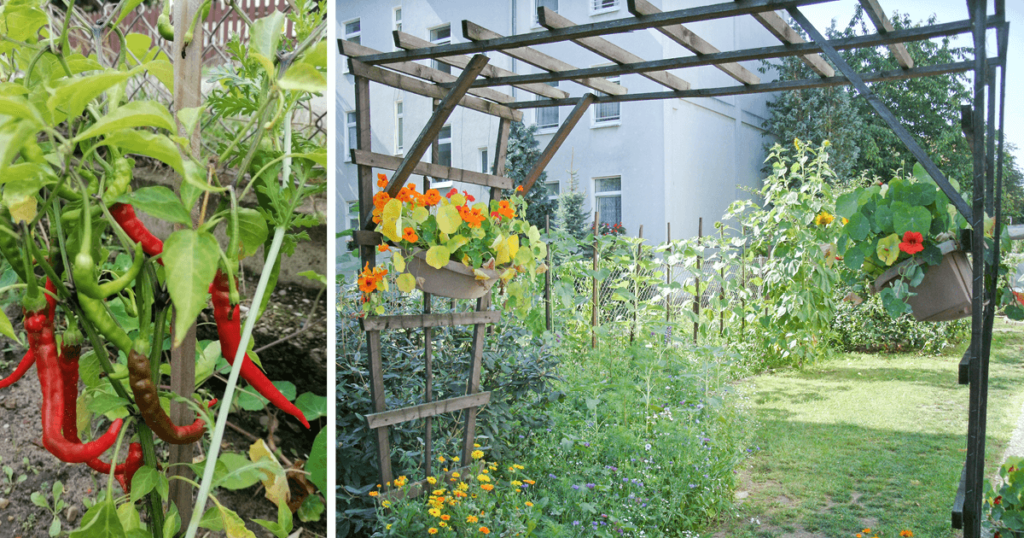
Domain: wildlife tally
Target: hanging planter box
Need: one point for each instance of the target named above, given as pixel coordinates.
(454, 280)
(945, 292)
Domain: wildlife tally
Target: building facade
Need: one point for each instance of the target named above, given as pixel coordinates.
(640, 163)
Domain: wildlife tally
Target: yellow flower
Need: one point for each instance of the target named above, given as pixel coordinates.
(445, 517)
(520, 467)
(455, 459)
(374, 493)
(434, 512)
(517, 483)
(472, 519)
(476, 445)
(431, 480)
(477, 454)
(483, 478)
(386, 503)
(437, 492)
(463, 486)
(455, 474)
(824, 219)
(442, 524)
(866, 531)
(432, 530)
(388, 527)
(440, 459)
(485, 487)
(529, 504)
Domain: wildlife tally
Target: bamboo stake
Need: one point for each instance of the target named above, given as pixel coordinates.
(696, 291)
(721, 291)
(547, 278)
(636, 271)
(594, 305)
(668, 271)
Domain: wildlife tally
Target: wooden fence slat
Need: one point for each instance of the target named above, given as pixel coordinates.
(383, 323)
(429, 409)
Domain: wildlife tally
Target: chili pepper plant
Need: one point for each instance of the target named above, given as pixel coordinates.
(104, 298)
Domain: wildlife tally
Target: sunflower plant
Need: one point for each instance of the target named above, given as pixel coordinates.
(493, 239)
(907, 218)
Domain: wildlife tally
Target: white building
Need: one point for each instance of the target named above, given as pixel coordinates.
(641, 163)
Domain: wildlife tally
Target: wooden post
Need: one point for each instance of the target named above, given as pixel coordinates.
(364, 181)
(696, 290)
(473, 386)
(594, 305)
(636, 271)
(188, 64)
(721, 290)
(428, 390)
(668, 271)
(547, 278)
(743, 280)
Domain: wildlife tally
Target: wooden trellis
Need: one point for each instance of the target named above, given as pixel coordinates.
(473, 89)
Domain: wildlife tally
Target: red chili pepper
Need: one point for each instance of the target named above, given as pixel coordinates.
(125, 216)
(44, 348)
(23, 366)
(229, 330)
(51, 299)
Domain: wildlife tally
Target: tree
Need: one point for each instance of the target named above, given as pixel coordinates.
(862, 143)
(570, 216)
(522, 155)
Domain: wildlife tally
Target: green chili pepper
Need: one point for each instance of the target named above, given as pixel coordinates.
(9, 243)
(163, 22)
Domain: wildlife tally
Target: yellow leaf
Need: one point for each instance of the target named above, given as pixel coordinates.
(458, 199)
(457, 242)
(513, 246)
(448, 219)
(420, 214)
(438, 256)
(406, 282)
(234, 527)
(389, 220)
(480, 275)
(888, 249)
(398, 261)
(502, 254)
(275, 481)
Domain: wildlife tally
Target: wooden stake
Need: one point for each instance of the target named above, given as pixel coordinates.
(547, 278)
(668, 271)
(594, 305)
(636, 271)
(721, 291)
(696, 291)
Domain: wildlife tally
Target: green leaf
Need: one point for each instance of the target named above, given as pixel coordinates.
(54, 527)
(159, 202)
(190, 258)
(100, 521)
(234, 527)
(312, 509)
(163, 149)
(235, 471)
(130, 519)
(73, 94)
(129, 116)
(254, 230)
(19, 107)
(317, 463)
(312, 405)
(847, 205)
(854, 257)
(189, 118)
(265, 34)
(144, 481)
(438, 257)
(911, 219)
(39, 500)
(857, 227)
(303, 77)
(6, 328)
(103, 403)
(314, 276)
(407, 282)
(128, 7)
(888, 249)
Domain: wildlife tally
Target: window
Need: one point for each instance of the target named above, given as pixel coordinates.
(352, 33)
(602, 6)
(353, 215)
(398, 18)
(350, 128)
(554, 188)
(441, 35)
(444, 153)
(547, 117)
(485, 166)
(537, 4)
(399, 128)
(607, 112)
(608, 199)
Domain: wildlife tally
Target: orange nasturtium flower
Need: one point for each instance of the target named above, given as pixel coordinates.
(405, 194)
(410, 235)
(472, 217)
(519, 188)
(912, 243)
(432, 197)
(383, 247)
(381, 199)
(382, 180)
(369, 278)
(505, 210)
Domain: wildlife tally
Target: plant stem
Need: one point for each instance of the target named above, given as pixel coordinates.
(229, 391)
(156, 504)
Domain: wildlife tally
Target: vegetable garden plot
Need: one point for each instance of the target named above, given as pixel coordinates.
(75, 123)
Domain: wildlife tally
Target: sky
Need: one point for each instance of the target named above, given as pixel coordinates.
(821, 16)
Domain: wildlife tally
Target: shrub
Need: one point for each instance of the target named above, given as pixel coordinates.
(869, 328)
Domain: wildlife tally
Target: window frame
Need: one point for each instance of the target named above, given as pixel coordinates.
(485, 163)
(547, 185)
(597, 123)
(451, 162)
(545, 129)
(534, 21)
(606, 194)
(399, 127)
(350, 144)
(396, 22)
(347, 37)
(443, 67)
(351, 215)
(594, 10)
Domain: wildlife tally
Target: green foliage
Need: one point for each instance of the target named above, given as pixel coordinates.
(1004, 505)
(569, 215)
(868, 327)
(523, 152)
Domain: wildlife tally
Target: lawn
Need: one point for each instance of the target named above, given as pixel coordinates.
(868, 441)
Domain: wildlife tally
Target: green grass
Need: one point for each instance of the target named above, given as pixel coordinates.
(869, 441)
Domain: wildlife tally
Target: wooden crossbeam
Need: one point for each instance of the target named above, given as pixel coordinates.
(877, 15)
(437, 171)
(353, 50)
(431, 409)
(602, 47)
(382, 323)
(406, 41)
(419, 87)
(785, 33)
(367, 238)
(693, 42)
(475, 32)
(557, 140)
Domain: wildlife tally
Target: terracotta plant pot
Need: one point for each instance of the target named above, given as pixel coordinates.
(453, 280)
(945, 292)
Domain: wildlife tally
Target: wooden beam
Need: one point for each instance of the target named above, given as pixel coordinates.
(500, 152)
(406, 41)
(437, 171)
(963, 370)
(475, 32)
(709, 12)
(379, 398)
(602, 47)
(367, 238)
(353, 50)
(409, 84)
(877, 15)
(693, 42)
(380, 323)
(398, 416)
(556, 141)
(473, 385)
(785, 33)
(364, 175)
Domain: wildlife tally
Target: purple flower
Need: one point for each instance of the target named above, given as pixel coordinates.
(693, 486)
(576, 523)
(576, 487)
(586, 444)
(591, 485)
(551, 476)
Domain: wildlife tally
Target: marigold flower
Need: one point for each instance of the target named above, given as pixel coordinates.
(386, 504)
(912, 243)
(442, 524)
(383, 247)
(445, 517)
(472, 519)
(455, 459)
(440, 459)
(866, 531)
(374, 493)
(483, 478)
(432, 197)
(382, 180)
(487, 487)
(456, 474)
(824, 219)
(410, 235)
(434, 512)
(859, 535)
(906, 533)
(431, 480)
(432, 530)
(477, 454)
(529, 504)
(484, 530)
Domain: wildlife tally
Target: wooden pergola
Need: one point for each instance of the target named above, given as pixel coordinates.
(476, 88)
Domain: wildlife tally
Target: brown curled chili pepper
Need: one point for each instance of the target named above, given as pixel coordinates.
(229, 331)
(148, 400)
(70, 352)
(44, 348)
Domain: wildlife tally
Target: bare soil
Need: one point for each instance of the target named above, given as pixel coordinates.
(300, 360)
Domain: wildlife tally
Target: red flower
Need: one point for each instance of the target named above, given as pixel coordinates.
(912, 243)
(998, 500)
(469, 196)
(452, 192)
